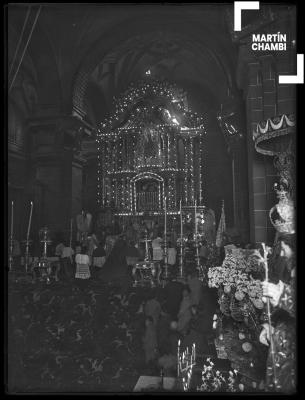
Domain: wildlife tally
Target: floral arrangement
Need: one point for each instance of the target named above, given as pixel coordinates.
(216, 381)
(236, 273)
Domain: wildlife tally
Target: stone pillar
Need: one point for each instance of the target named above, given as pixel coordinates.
(256, 177)
(240, 188)
(56, 163)
(257, 75)
(269, 86)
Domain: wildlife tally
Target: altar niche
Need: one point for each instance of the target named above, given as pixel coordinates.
(150, 149)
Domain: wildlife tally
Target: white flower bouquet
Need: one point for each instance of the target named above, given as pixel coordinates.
(235, 273)
(216, 381)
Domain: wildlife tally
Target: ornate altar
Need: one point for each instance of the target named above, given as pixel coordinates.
(151, 148)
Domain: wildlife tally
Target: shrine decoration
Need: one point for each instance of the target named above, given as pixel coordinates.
(282, 215)
(150, 147)
(237, 279)
(272, 136)
(276, 137)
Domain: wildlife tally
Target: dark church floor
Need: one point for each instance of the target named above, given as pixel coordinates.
(74, 337)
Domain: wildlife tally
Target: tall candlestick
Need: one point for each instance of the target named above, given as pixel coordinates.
(71, 224)
(30, 221)
(181, 222)
(178, 358)
(165, 218)
(12, 219)
(196, 218)
(181, 244)
(166, 273)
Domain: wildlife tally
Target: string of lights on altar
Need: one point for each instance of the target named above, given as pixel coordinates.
(134, 93)
(132, 96)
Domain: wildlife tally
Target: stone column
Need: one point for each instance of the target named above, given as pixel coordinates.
(56, 161)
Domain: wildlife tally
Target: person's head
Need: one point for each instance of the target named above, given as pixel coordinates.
(174, 325)
(186, 291)
(83, 250)
(149, 321)
(190, 275)
(287, 245)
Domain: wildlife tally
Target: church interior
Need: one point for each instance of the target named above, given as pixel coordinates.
(150, 199)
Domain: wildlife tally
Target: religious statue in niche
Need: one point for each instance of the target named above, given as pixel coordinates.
(148, 150)
(83, 223)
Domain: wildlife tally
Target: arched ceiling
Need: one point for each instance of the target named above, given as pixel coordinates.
(93, 51)
(166, 55)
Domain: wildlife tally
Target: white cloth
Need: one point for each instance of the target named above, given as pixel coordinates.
(171, 256)
(82, 259)
(157, 250)
(157, 254)
(82, 266)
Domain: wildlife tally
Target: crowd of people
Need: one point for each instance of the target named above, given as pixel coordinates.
(81, 261)
(184, 311)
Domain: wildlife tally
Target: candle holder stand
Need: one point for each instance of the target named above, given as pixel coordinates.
(43, 268)
(10, 258)
(27, 263)
(186, 363)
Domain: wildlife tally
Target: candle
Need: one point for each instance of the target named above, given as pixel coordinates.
(30, 221)
(181, 222)
(164, 219)
(196, 218)
(178, 358)
(71, 232)
(12, 220)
